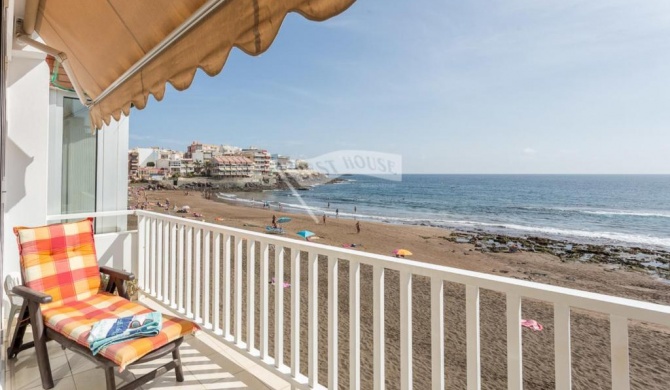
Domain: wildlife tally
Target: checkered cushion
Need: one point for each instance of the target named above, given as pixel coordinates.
(60, 260)
(75, 319)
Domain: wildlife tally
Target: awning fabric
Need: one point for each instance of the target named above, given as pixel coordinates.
(104, 38)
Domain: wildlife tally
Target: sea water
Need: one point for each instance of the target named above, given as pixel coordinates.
(620, 209)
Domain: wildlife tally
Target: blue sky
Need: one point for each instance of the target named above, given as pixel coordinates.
(511, 86)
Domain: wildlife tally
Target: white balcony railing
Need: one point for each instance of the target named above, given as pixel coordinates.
(214, 274)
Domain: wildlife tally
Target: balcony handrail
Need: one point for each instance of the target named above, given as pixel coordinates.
(630, 308)
(176, 254)
(114, 213)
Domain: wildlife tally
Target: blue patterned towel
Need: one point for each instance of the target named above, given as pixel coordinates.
(116, 330)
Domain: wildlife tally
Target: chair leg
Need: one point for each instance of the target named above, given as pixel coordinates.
(109, 378)
(179, 373)
(40, 340)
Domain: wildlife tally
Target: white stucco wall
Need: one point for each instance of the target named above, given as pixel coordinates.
(117, 250)
(28, 165)
(146, 155)
(26, 150)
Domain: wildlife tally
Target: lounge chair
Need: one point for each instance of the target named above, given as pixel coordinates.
(63, 298)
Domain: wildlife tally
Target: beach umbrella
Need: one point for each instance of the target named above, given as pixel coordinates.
(283, 219)
(305, 234)
(402, 252)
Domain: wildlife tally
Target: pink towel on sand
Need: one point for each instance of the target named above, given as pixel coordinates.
(286, 284)
(532, 324)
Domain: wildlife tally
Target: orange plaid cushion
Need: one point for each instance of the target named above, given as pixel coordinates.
(75, 319)
(60, 260)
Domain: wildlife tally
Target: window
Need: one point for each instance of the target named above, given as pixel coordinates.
(73, 156)
(79, 159)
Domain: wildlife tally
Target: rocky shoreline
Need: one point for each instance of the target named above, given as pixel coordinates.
(653, 261)
(280, 182)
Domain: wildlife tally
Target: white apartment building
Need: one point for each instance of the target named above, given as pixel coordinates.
(231, 166)
(201, 156)
(261, 159)
(146, 155)
(197, 146)
(283, 162)
(228, 150)
(170, 166)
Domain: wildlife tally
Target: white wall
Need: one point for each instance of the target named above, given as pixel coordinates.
(28, 165)
(163, 163)
(117, 250)
(27, 145)
(198, 156)
(145, 155)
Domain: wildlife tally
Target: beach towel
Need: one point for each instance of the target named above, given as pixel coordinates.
(532, 324)
(286, 284)
(116, 330)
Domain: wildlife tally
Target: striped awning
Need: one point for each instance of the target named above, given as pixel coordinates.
(121, 51)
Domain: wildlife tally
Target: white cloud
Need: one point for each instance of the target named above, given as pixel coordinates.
(139, 137)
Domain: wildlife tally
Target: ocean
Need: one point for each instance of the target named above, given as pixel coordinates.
(631, 210)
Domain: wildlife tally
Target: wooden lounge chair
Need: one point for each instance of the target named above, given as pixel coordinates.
(63, 298)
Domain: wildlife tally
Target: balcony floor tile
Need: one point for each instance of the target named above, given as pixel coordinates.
(204, 368)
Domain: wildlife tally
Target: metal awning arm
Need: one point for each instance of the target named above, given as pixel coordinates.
(189, 23)
(21, 36)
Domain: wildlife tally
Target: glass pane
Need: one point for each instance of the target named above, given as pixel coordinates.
(79, 159)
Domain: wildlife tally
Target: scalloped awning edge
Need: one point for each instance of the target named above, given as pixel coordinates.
(100, 57)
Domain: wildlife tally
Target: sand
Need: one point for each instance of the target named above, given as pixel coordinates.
(649, 345)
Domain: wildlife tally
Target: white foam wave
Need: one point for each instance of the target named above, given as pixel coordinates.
(506, 228)
(223, 195)
(627, 213)
(631, 213)
(613, 236)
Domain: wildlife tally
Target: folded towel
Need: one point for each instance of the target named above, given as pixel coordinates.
(116, 330)
(286, 284)
(532, 324)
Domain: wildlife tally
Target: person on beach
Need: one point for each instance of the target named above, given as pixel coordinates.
(274, 221)
(358, 227)
(324, 218)
(337, 213)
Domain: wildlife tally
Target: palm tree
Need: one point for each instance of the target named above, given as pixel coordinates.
(208, 167)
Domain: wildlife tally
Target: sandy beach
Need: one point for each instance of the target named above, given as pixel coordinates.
(650, 347)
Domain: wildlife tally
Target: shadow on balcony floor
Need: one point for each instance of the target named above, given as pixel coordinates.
(206, 366)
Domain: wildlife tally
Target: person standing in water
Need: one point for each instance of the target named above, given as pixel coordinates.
(337, 213)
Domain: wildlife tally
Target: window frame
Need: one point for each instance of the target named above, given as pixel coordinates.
(55, 153)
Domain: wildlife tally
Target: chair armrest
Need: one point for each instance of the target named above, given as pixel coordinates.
(31, 295)
(121, 275)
